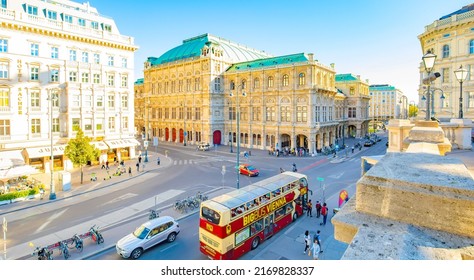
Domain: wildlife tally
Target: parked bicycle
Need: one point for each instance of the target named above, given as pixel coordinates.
(43, 253)
(96, 235)
(153, 214)
(64, 250)
(77, 243)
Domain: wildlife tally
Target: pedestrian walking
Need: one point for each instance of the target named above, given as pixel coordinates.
(130, 171)
(315, 249)
(318, 237)
(352, 149)
(318, 209)
(138, 166)
(158, 161)
(324, 212)
(307, 241)
(107, 165)
(309, 208)
(103, 165)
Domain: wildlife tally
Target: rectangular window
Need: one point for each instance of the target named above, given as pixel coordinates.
(107, 27)
(110, 80)
(352, 112)
(87, 124)
(124, 101)
(34, 49)
(72, 55)
(54, 52)
(55, 127)
(167, 113)
(32, 10)
(52, 15)
(4, 70)
(112, 123)
(197, 113)
(34, 73)
(81, 22)
(100, 101)
(124, 122)
(68, 18)
(3, 45)
(270, 114)
(96, 78)
(111, 101)
(85, 57)
(76, 101)
(99, 124)
(110, 61)
(301, 114)
(188, 85)
(87, 100)
(54, 74)
(4, 98)
(256, 114)
(94, 25)
(73, 76)
(445, 75)
(85, 77)
(4, 4)
(317, 114)
(285, 114)
(124, 81)
(173, 113)
(97, 58)
(35, 126)
(124, 63)
(76, 124)
(4, 127)
(197, 84)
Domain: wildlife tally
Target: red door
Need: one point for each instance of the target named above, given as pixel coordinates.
(216, 137)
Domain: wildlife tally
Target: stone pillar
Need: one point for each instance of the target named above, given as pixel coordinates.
(462, 134)
(398, 130)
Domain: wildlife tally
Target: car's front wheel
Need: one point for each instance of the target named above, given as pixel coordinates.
(136, 253)
(171, 237)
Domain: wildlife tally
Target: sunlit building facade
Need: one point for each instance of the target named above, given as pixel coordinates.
(194, 92)
(451, 39)
(68, 51)
(385, 103)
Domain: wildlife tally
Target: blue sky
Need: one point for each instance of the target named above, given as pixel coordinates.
(376, 39)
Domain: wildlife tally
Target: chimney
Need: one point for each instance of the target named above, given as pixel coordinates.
(310, 56)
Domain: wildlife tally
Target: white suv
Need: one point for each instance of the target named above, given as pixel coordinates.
(147, 235)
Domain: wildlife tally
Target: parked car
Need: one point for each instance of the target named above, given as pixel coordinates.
(203, 146)
(249, 170)
(146, 236)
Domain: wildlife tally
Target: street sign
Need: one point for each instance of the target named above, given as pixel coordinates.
(320, 179)
(145, 144)
(185, 133)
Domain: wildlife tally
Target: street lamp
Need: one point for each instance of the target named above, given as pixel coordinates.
(52, 97)
(461, 75)
(185, 134)
(241, 87)
(428, 61)
(231, 116)
(147, 112)
(404, 102)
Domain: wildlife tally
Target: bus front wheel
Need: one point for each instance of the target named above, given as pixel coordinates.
(255, 242)
(295, 216)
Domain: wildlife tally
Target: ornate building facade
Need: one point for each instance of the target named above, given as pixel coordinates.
(451, 39)
(195, 92)
(386, 103)
(63, 66)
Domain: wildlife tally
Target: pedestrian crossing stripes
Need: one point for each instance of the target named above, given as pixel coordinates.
(195, 161)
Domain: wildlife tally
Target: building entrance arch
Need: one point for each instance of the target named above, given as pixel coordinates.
(216, 137)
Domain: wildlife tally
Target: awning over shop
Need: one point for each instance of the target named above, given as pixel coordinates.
(17, 172)
(121, 143)
(11, 158)
(99, 145)
(39, 152)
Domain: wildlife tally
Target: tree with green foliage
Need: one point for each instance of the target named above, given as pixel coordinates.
(413, 110)
(80, 151)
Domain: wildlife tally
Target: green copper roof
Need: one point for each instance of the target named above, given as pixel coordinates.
(267, 62)
(192, 47)
(139, 81)
(381, 87)
(345, 78)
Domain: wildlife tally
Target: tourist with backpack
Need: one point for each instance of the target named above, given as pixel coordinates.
(318, 237)
(318, 209)
(307, 241)
(309, 207)
(324, 212)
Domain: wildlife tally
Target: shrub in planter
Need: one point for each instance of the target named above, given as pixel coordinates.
(18, 194)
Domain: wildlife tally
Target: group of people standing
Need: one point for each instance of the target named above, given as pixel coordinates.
(313, 247)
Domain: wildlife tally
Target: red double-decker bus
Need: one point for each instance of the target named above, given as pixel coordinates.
(234, 223)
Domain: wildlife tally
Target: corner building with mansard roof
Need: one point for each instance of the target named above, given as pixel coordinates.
(193, 93)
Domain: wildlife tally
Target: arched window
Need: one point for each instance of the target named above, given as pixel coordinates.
(256, 83)
(301, 79)
(286, 80)
(270, 82)
(471, 47)
(445, 51)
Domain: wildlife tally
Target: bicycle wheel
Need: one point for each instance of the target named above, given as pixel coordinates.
(79, 247)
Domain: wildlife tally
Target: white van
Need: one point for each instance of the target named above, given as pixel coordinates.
(147, 235)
